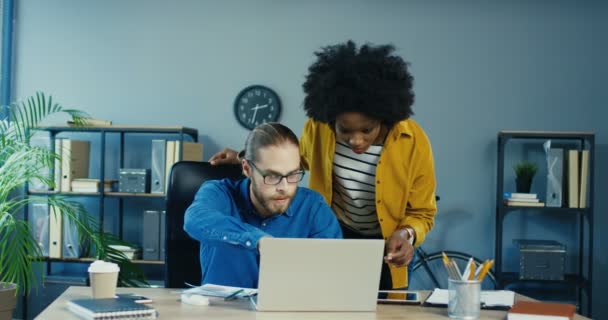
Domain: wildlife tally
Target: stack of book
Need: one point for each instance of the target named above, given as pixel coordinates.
(92, 122)
(91, 185)
(513, 199)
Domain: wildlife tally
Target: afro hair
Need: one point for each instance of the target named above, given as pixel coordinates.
(369, 80)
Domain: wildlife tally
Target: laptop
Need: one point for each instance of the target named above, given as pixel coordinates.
(318, 274)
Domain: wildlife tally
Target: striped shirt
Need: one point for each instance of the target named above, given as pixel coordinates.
(354, 191)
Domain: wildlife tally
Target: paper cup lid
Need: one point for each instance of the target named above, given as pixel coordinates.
(102, 266)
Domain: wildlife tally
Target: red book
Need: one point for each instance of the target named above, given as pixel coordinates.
(528, 310)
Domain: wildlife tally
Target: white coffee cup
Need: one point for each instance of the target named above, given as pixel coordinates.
(104, 277)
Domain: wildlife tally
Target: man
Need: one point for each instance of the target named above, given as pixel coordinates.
(229, 218)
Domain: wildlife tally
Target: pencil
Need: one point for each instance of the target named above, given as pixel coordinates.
(472, 273)
(486, 269)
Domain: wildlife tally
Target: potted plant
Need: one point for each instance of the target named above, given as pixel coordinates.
(524, 173)
(20, 163)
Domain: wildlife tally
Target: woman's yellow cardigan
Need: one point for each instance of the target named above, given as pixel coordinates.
(405, 179)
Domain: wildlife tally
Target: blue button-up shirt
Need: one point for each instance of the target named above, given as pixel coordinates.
(228, 227)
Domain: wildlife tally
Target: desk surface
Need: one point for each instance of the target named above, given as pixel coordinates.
(169, 306)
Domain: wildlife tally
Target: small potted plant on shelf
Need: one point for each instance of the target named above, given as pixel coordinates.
(524, 173)
(20, 163)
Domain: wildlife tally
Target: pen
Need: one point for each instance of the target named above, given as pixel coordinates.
(233, 295)
(458, 273)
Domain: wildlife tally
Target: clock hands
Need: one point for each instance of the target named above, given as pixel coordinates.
(255, 111)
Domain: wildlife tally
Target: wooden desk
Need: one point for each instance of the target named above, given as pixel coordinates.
(169, 306)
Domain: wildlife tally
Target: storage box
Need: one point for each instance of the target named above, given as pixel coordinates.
(541, 259)
(130, 253)
(134, 180)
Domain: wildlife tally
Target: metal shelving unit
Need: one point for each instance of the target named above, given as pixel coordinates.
(180, 133)
(581, 281)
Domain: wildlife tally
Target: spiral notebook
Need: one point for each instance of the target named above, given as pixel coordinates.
(111, 308)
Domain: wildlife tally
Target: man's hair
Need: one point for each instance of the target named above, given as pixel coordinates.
(264, 135)
(370, 80)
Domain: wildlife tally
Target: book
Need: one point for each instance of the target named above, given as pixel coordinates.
(91, 185)
(92, 122)
(531, 310)
(111, 308)
(521, 200)
(512, 203)
(515, 195)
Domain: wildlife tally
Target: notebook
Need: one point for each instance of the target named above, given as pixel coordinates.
(318, 274)
(111, 308)
(490, 299)
(524, 310)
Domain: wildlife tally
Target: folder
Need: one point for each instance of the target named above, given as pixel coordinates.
(39, 225)
(573, 181)
(159, 149)
(70, 244)
(57, 170)
(555, 171)
(74, 162)
(163, 216)
(169, 160)
(55, 232)
(41, 141)
(151, 239)
(190, 151)
(582, 201)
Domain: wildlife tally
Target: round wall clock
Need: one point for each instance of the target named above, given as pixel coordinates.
(255, 105)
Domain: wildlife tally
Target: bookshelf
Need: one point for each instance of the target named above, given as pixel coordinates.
(577, 284)
(108, 145)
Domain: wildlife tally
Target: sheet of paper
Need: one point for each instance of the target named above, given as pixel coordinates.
(489, 298)
(214, 290)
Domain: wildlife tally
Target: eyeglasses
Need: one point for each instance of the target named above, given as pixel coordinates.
(274, 179)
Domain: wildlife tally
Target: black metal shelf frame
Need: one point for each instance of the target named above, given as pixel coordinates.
(582, 280)
(182, 133)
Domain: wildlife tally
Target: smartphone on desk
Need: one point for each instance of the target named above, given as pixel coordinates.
(398, 297)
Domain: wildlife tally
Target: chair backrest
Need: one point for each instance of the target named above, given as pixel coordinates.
(182, 262)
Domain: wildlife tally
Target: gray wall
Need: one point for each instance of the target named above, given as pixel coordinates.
(480, 67)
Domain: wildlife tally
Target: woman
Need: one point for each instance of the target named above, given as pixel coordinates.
(370, 161)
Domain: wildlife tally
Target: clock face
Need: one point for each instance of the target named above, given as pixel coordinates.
(255, 105)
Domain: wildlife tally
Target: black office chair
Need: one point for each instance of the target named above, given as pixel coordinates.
(182, 262)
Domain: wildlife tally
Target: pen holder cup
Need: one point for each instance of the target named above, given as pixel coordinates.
(464, 299)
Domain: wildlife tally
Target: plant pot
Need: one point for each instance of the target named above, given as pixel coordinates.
(523, 184)
(8, 300)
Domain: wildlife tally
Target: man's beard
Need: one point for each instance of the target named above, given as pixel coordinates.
(267, 202)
